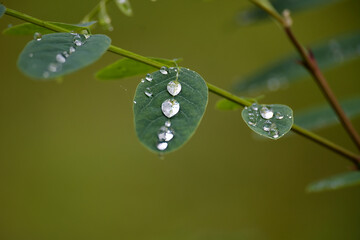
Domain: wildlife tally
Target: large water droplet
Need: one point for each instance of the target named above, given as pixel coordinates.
(174, 88)
(37, 36)
(278, 115)
(149, 77)
(165, 134)
(162, 146)
(163, 70)
(60, 58)
(148, 92)
(167, 123)
(170, 107)
(266, 113)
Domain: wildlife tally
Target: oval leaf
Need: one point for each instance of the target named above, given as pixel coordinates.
(127, 67)
(272, 121)
(30, 29)
(323, 116)
(165, 122)
(2, 10)
(335, 182)
(57, 54)
(124, 6)
(328, 54)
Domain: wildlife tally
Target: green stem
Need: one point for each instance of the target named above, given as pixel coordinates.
(212, 88)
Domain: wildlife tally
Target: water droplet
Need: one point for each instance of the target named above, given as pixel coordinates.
(134, 102)
(46, 74)
(71, 50)
(274, 133)
(165, 134)
(31, 55)
(170, 107)
(255, 107)
(278, 115)
(174, 88)
(60, 58)
(148, 92)
(266, 113)
(142, 80)
(164, 70)
(66, 54)
(54, 67)
(162, 146)
(252, 123)
(267, 126)
(149, 77)
(37, 36)
(77, 40)
(167, 123)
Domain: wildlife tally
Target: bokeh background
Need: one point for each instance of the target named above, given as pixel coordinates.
(71, 166)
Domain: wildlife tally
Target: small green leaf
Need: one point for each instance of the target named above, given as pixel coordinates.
(30, 29)
(104, 18)
(2, 10)
(57, 54)
(124, 6)
(165, 121)
(127, 67)
(272, 121)
(323, 116)
(335, 182)
(328, 54)
(254, 14)
(224, 104)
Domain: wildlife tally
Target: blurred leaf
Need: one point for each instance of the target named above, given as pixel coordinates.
(328, 55)
(58, 54)
(271, 121)
(2, 10)
(104, 18)
(324, 116)
(127, 67)
(224, 104)
(124, 6)
(154, 106)
(254, 14)
(30, 29)
(335, 182)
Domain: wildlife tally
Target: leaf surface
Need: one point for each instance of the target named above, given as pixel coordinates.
(30, 29)
(127, 67)
(271, 121)
(150, 119)
(124, 6)
(335, 182)
(58, 54)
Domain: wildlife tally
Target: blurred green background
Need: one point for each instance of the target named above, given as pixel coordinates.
(71, 166)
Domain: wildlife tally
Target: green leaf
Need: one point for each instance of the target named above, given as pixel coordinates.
(127, 67)
(335, 182)
(272, 121)
(2, 10)
(323, 115)
(152, 96)
(224, 104)
(104, 18)
(254, 14)
(124, 6)
(57, 54)
(30, 29)
(328, 54)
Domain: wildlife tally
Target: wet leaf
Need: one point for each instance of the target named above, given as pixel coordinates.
(124, 6)
(271, 121)
(254, 14)
(154, 106)
(224, 104)
(30, 29)
(335, 182)
(323, 116)
(2, 10)
(127, 67)
(58, 54)
(328, 54)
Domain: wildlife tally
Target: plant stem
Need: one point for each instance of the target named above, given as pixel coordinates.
(212, 88)
(311, 65)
